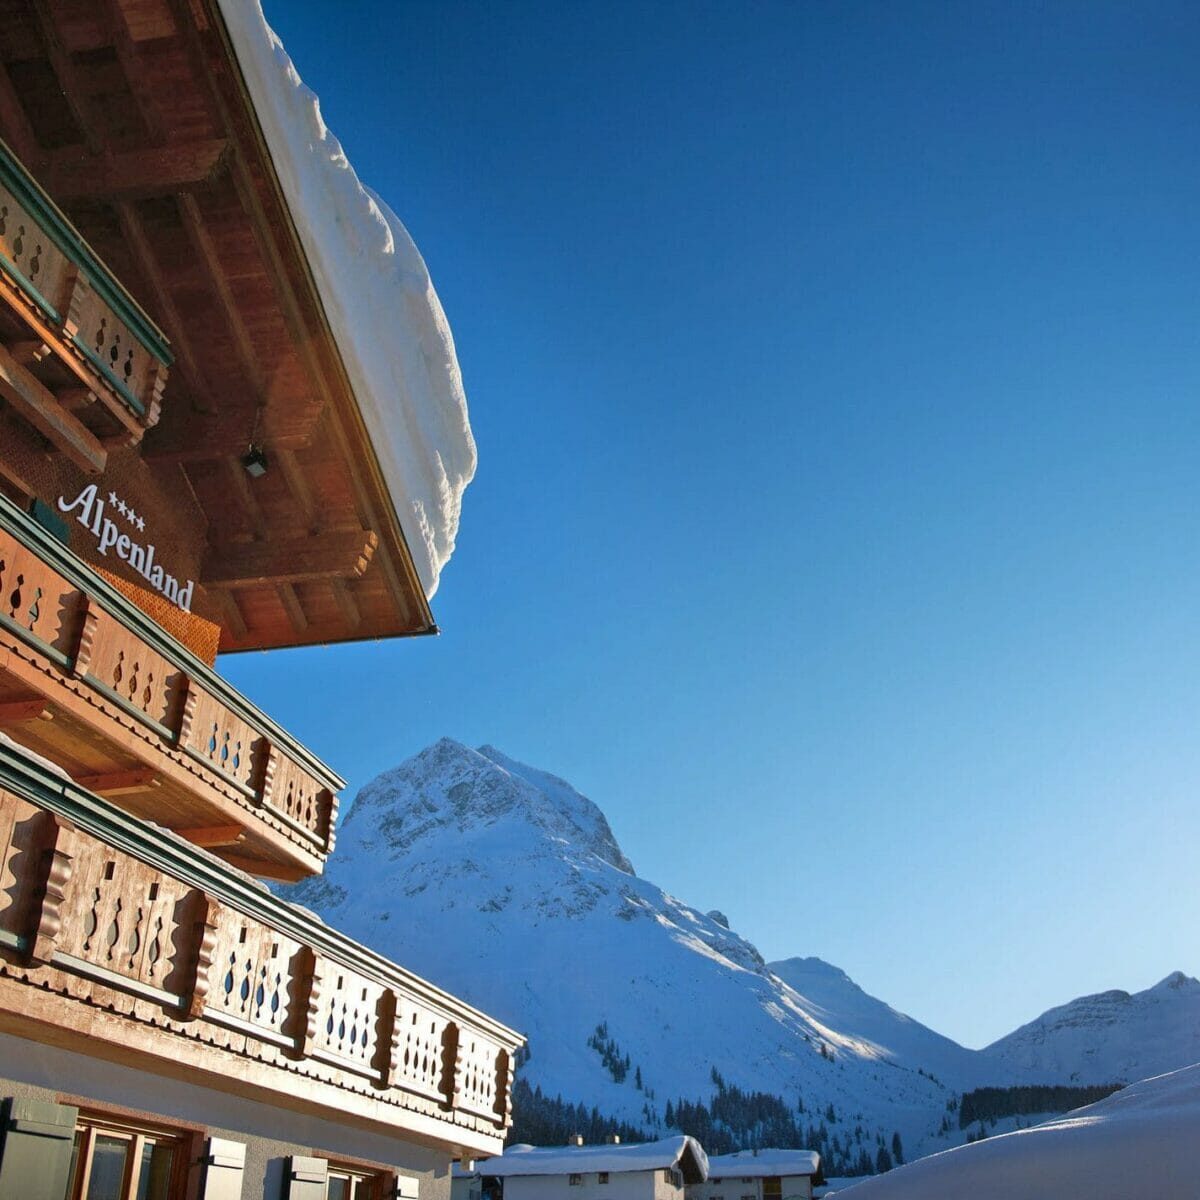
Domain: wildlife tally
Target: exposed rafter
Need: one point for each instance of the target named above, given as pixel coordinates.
(325, 556)
(76, 174)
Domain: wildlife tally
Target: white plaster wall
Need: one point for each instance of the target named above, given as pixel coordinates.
(622, 1185)
(33, 1070)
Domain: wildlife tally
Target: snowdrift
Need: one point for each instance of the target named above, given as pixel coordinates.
(1142, 1141)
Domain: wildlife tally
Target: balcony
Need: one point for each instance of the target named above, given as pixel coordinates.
(79, 360)
(137, 946)
(91, 682)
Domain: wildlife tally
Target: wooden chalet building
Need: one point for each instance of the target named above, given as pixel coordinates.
(196, 454)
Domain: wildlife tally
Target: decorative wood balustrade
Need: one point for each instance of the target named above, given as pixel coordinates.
(80, 360)
(139, 940)
(90, 681)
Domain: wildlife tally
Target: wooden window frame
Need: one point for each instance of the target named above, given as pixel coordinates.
(370, 1183)
(92, 1124)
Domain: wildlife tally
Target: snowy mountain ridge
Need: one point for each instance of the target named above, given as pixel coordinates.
(1113, 1035)
(504, 885)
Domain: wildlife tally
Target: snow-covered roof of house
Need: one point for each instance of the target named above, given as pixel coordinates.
(683, 1152)
(764, 1163)
(385, 316)
(1141, 1141)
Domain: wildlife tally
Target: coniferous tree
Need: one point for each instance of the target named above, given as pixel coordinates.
(897, 1149)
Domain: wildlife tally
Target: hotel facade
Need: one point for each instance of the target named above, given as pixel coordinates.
(206, 444)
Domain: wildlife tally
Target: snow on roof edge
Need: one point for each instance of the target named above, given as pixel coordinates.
(766, 1162)
(404, 372)
(568, 1160)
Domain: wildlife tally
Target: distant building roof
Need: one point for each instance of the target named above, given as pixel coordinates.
(756, 1164)
(683, 1152)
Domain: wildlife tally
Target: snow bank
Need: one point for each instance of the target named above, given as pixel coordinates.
(762, 1163)
(386, 317)
(571, 1160)
(1142, 1141)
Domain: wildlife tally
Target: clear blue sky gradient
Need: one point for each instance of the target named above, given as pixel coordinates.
(835, 370)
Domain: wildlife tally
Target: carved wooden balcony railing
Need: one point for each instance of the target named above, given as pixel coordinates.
(90, 681)
(79, 360)
(113, 932)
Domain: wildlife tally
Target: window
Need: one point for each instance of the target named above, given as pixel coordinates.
(345, 1184)
(772, 1188)
(113, 1161)
(602, 1177)
(575, 1180)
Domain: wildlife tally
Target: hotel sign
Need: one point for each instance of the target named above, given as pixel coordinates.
(90, 512)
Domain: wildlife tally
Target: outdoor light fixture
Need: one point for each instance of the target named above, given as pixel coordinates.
(255, 462)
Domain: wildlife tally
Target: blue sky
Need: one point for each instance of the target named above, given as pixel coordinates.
(835, 374)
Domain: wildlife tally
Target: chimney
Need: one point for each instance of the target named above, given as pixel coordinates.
(576, 1139)
(613, 1139)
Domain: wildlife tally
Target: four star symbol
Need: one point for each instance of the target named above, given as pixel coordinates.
(127, 511)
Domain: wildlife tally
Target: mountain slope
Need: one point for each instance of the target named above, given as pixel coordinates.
(832, 996)
(1110, 1037)
(505, 885)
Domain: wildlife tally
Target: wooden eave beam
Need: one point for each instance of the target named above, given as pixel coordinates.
(77, 174)
(21, 712)
(210, 836)
(267, 563)
(184, 435)
(37, 405)
(120, 783)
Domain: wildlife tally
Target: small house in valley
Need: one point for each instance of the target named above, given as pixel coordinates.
(662, 1170)
(759, 1175)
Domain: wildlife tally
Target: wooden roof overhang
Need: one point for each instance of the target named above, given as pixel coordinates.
(134, 117)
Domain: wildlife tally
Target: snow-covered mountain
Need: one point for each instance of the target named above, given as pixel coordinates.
(1112, 1037)
(503, 884)
(831, 995)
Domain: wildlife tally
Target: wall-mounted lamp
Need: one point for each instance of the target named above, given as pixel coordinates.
(255, 462)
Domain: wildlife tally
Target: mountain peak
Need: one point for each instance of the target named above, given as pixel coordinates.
(1177, 981)
(450, 786)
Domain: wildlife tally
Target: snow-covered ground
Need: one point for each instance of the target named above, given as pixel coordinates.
(1142, 1141)
(390, 328)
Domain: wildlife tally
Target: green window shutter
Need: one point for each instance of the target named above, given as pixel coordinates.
(35, 1158)
(306, 1178)
(224, 1161)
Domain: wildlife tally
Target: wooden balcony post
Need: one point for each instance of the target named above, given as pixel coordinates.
(270, 768)
(76, 287)
(387, 1041)
(87, 637)
(207, 914)
(306, 998)
(57, 866)
(452, 1065)
(504, 1082)
(187, 711)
